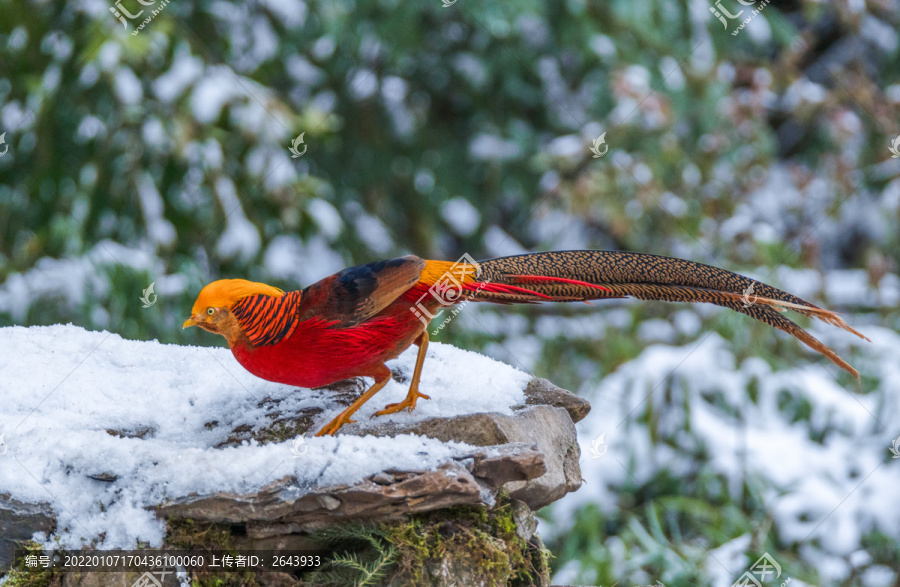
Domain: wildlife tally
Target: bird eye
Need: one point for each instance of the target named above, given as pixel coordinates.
(210, 311)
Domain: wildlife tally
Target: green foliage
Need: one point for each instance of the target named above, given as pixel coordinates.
(371, 557)
(479, 541)
(196, 536)
(21, 575)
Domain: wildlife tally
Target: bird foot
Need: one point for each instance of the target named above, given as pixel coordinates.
(409, 404)
(332, 427)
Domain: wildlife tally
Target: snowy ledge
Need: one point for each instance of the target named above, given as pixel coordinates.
(106, 437)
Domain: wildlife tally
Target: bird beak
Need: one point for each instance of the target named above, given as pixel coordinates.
(188, 323)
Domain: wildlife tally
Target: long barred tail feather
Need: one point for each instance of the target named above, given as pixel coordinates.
(565, 276)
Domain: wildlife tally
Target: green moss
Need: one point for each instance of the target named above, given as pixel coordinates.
(283, 430)
(471, 541)
(465, 539)
(22, 576)
(187, 534)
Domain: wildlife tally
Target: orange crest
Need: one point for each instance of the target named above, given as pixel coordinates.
(226, 292)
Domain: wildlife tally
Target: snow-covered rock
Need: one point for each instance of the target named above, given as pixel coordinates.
(107, 437)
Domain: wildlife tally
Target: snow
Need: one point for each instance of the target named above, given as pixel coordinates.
(832, 481)
(58, 45)
(373, 233)
(207, 154)
(300, 69)
(567, 106)
(879, 32)
(263, 46)
(109, 55)
(220, 87)
(558, 230)
(485, 147)
(89, 75)
(603, 46)
(567, 147)
(672, 74)
(471, 68)
(18, 38)
(240, 237)
(326, 216)
(89, 128)
(72, 385)
(461, 215)
(499, 243)
(284, 254)
(128, 86)
(211, 94)
(153, 133)
(71, 281)
(849, 286)
(801, 91)
(394, 89)
(291, 13)
(362, 83)
(160, 230)
(185, 70)
(424, 181)
(893, 92)
(324, 47)
(50, 81)
(728, 560)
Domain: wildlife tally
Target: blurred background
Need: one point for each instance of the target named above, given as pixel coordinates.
(161, 155)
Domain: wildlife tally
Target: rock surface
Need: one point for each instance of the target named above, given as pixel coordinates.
(283, 507)
(530, 455)
(18, 521)
(549, 430)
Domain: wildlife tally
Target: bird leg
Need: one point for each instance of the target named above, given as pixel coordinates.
(381, 379)
(413, 395)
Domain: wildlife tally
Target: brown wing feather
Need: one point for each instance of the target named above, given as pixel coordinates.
(356, 294)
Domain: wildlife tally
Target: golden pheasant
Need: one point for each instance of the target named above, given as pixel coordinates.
(349, 324)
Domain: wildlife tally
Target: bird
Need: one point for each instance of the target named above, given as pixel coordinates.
(351, 323)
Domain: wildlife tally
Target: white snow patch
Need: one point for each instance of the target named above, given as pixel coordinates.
(471, 68)
(240, 237)
(288, 257)
(461, 215)
(160, 230)
(830, 484)
(500, 244)
(803, 90)
(291, 12)
(362, 83)
(485, 147)
(72, 385)
(70, 281)
(879, 32)
(567, 147)
(185, 70)
(89, 128)
(326, 216)
(373, 233)
(128, 86)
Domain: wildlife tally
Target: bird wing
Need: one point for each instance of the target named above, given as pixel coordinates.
(356, 294)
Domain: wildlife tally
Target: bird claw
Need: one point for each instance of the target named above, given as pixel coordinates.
(409, 404)
(332, 427)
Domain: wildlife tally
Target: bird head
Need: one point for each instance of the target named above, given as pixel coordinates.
(212, 310)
